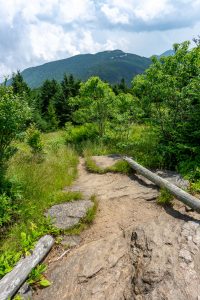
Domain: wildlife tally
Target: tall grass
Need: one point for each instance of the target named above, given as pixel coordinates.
(39, 181)
(141, 144)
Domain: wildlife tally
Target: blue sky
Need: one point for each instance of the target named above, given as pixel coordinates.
(34, 32)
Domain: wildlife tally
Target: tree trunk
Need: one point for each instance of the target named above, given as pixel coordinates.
(12, 281)
(181, 195)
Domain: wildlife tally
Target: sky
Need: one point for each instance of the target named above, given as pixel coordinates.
(37, 31)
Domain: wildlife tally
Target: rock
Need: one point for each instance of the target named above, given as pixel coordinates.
(106, 161)
(174, 178)
(98, 270)
(69, 214)
(71, 240)
(165, 261)
(25, 292)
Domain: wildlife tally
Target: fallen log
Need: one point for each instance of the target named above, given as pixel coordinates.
(12, 281)
(181, 195)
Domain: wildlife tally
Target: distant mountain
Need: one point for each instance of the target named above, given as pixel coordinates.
(166, 53)
(110, 66)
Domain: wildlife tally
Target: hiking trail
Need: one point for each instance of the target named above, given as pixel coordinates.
(135, 249)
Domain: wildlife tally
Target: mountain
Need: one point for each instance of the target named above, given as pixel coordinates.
(166, 53)
(110, 66)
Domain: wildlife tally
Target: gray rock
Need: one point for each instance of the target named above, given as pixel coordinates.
(95, 271)
(165, 261)
(71, 240)
(174, 178)
(25, 292)
(66, 215)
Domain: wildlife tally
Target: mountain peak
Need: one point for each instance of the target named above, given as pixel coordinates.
(110, 66)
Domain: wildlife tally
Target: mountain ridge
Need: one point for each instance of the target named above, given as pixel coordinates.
(110, 66)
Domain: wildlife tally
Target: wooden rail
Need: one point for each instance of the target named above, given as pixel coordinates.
(181, 195)
(12, 281)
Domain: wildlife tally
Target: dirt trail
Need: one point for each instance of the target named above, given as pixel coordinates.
(134, 249)
(122, 200)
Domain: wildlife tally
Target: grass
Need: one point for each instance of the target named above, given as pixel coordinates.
(38, 182)
(119, 167)
(165, 198)
(86, 221)
(141, 144)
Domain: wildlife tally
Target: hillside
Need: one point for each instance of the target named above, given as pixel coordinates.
(166, 53)
(110, 66)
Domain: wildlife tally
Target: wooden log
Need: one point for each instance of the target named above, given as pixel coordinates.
(181, 195)
(12, 281)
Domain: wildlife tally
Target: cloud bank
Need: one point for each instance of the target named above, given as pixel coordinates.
(34, 32)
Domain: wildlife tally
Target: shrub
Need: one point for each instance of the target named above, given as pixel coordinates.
(34, 139)
(165, 198)
(14, 112)
(5, 209)
(80, 133)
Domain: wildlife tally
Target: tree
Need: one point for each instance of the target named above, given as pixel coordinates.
(95, 103)
(52, 117)
(48, 90)
(170, 87)
(19, 85)
(121, 87)
(14, 112)
(125, 113)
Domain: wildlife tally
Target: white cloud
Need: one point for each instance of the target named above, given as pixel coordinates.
(150, 9)
(49, 40)
(37, 31)
(76, 10)
(114, 14)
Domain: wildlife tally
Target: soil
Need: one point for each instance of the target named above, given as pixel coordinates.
(135, 249)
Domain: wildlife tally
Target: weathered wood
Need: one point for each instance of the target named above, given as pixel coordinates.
(181, 195)
(12, 281)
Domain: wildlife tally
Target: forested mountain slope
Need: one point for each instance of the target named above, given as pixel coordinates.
(110, 66)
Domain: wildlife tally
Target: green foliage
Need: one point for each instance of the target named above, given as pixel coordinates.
(7, 260)
(119, 167)
(63, 196)
(6, 209)
(121, 87)
(14, 112)
(91, 213)
(86, 221)
(19, 85)
(170, 92)
(37, 278)
(40, 187)
(52, 117)
(83, 66)
(95, 104)
(92, 166)
(165, 198)
(33, 137)
(78, 134)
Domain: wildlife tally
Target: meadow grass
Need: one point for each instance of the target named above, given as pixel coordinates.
(141, 145)
(119, 167)
(38, 180)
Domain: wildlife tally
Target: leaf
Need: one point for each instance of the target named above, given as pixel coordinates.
(45, 283)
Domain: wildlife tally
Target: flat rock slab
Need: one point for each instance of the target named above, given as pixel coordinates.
(66, 215)
(71, 240)
(106, 161)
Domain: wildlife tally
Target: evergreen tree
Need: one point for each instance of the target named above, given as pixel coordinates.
(120, 87)
(19, 86)
(52, 117)
(48, 91)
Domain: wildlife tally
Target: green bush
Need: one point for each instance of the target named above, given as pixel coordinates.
(165, 198)
(33, 137)
(6, 209)
(80, 133)
(14, 112)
